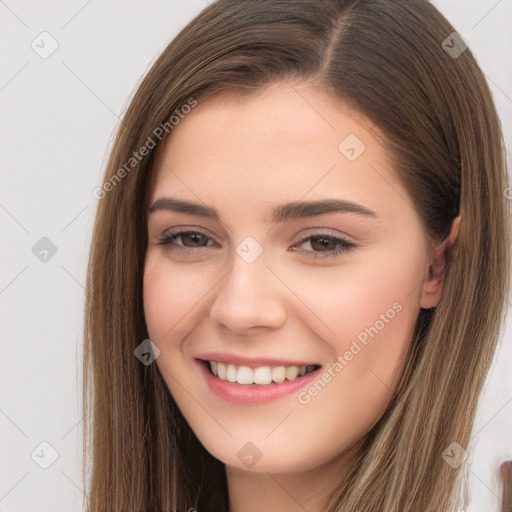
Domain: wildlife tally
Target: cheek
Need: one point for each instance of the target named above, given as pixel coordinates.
(380, 291)
(170, 296)
(367, 313)
(373, 321)
(159, 302)
(351, 394)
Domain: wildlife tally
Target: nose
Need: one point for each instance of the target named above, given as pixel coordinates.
(249, 297)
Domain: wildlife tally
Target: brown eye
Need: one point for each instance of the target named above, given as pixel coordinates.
(189, 239)
(323, 245)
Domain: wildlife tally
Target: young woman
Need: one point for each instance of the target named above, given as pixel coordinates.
(299, 266)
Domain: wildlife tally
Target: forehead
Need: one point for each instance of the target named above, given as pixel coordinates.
(284, 143)
(279, 116)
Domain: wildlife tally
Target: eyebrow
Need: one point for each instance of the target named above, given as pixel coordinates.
(280, 213)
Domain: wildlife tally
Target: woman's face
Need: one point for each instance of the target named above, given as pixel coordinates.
(296, 249)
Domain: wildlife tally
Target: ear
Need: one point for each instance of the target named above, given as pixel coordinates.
(433, 284)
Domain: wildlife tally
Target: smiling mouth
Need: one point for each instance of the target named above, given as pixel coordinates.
(261, 375)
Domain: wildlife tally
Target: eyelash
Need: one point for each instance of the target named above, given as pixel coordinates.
(167, 240)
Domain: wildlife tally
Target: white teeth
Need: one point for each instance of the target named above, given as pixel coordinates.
(262, 375)
(278, 374)
(292, 372)
(221, 371)
(245, 375)
(231, 373)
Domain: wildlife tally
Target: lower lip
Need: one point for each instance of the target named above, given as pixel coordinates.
(254, 393)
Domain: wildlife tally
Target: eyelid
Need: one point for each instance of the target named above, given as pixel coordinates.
(169, 236)
(184, 230)
(319, 231)
(340, 239)
(310, 231)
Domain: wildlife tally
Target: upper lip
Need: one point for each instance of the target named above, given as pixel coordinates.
(238, 360)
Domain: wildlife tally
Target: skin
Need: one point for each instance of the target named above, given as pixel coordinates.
(243, 156)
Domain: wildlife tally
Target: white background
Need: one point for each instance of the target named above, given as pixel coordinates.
(58, 117)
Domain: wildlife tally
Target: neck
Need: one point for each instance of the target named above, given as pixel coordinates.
(309, 490)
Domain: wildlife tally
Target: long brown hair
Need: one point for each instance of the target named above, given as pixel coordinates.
(389, 60)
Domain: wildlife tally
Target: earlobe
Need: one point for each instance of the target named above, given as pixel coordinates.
(433, 284)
